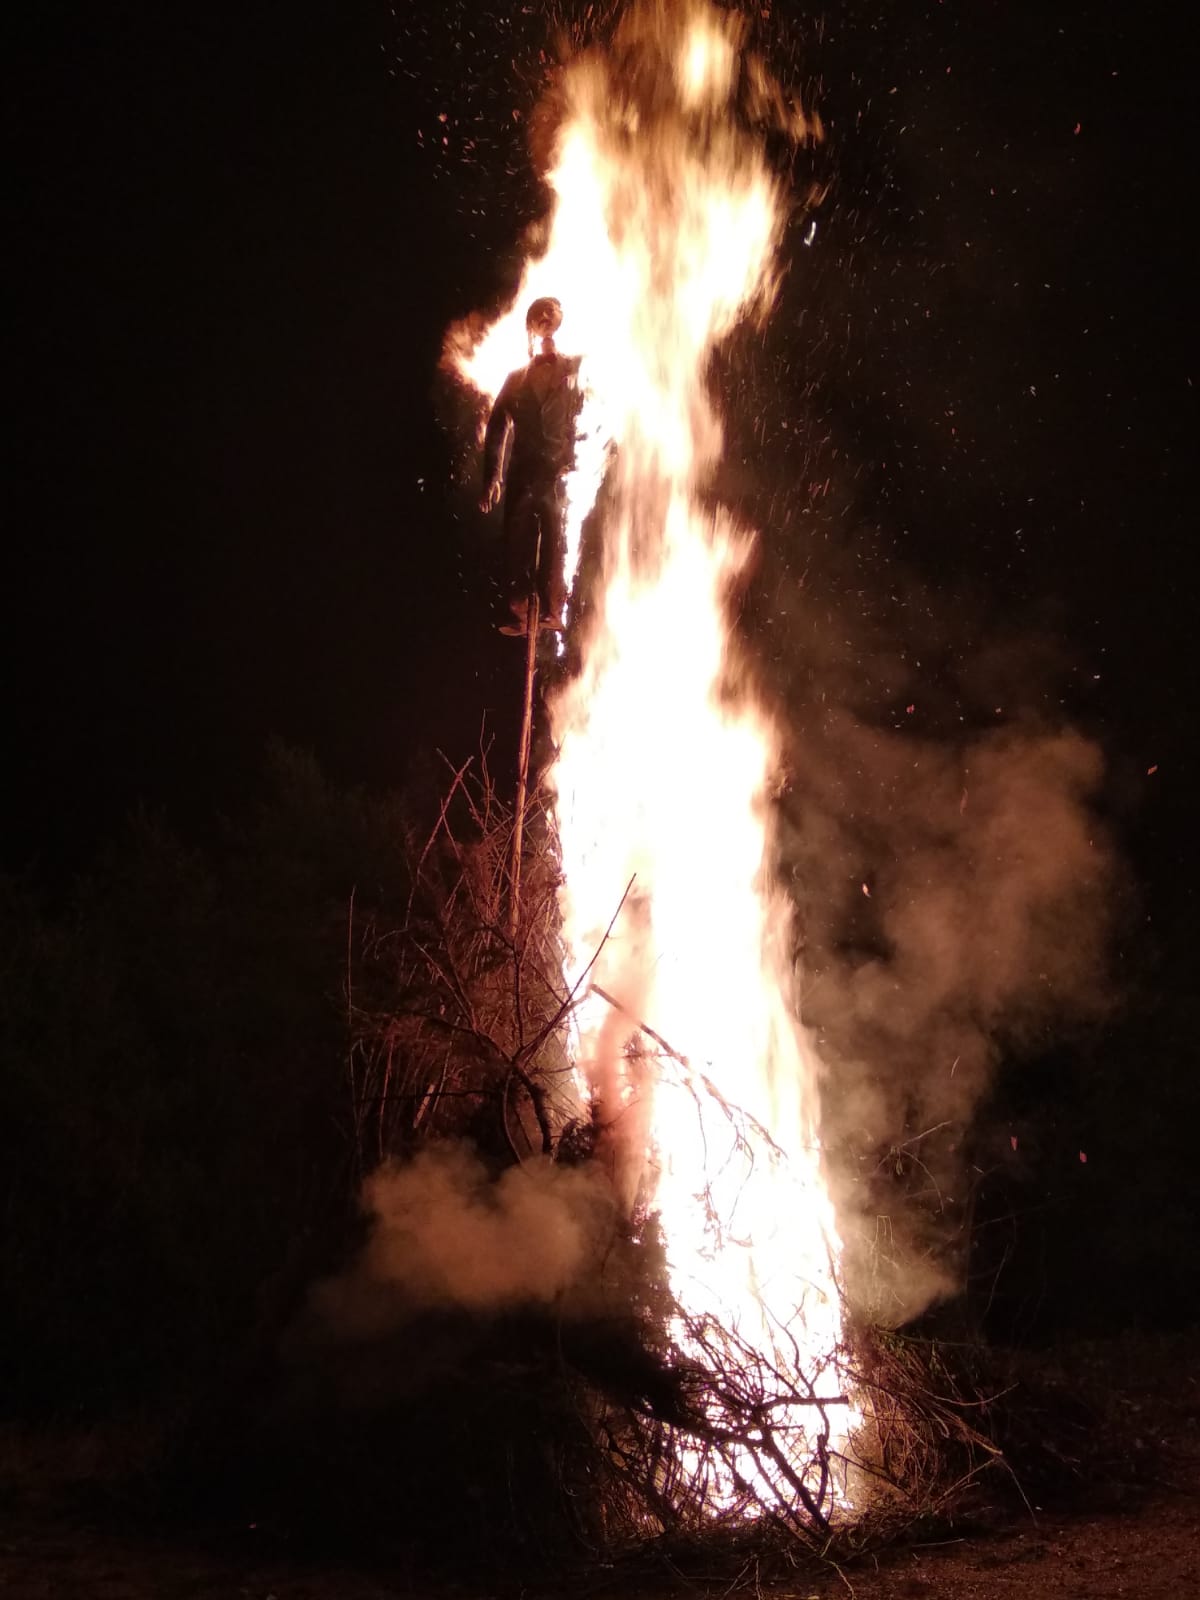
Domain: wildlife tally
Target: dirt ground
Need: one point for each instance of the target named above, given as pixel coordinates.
(1132, 1529)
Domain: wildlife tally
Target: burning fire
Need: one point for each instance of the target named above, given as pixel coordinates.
(688, 1050)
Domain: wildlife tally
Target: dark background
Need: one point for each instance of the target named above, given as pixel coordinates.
(238, 242)
(239, 506)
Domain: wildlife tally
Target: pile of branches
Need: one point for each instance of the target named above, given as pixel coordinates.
(748, 1443)
(458, 1017)
(651, 1424)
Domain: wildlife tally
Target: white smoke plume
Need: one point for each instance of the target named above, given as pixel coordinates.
(954, 888)
(444, 1233)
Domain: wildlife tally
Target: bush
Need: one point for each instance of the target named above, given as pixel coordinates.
(173, 1095)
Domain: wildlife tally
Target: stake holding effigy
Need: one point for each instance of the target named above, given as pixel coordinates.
(532, 622)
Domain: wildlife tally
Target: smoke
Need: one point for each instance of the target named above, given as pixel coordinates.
(446, 1234)
(953, 885)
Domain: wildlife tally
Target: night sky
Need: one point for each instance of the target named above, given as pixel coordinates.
(240, 507)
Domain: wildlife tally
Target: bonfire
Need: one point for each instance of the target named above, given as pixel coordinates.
(612, 963)
(687, 1054)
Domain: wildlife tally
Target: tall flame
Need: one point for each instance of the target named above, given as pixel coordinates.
(662, 241)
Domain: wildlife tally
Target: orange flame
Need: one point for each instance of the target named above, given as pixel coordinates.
(662, 241)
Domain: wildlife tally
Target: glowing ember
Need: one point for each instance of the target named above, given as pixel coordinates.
(661, 242)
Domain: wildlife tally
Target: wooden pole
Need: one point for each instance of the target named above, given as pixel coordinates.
(532, 621)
